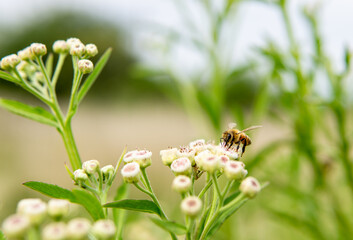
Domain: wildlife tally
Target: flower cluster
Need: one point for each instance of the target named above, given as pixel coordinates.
(32, 212)
(134, 161)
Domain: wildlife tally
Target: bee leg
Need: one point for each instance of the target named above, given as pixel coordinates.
(243, 149)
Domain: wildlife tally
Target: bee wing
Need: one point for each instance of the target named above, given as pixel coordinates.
(232, 125)
(250, 128)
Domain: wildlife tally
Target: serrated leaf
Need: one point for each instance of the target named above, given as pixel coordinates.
(135, 205)
(34, 113)
(93, 76)
(89, 202)
(50, 190)
(169, 226)
(8, 77)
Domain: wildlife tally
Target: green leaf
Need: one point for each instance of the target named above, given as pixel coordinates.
(89, 202)
(35, 113)
(169, 226)
(2, 236)
(8, 77)
(69, 172)
(82, 197)
(231, 197)
(50, 190)
(93, 76)
(49, 64)
(119, 214)
(135, 205)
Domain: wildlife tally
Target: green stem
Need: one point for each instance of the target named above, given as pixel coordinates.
(58, 69)
(71, 147)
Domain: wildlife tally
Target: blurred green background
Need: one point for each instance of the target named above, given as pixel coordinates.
(182, 70)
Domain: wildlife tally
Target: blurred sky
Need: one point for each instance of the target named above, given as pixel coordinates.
(259, 21)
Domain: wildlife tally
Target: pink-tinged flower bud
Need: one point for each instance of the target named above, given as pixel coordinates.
(198, 145)
(72, 41)
(130, 156)
(199, 159)
(168, 156)
(231, 153)
(91, 50)
(188, 153)
(85, 66)
(223, 159)
(80, 175)
(131, 172)
(235, 170)
(78, 228)
(191, 206)
(91, 166)
(104, 229)
(143, 158)
(77, 49)
(38, 49)
(15, 226)
(26, 54)
(34, 209)
(58, 208)
(107, 172)
(10, 62)
(211, 164)
(61, 46)
(181, 184)
(250, 187)
(181, 166)
(54, 231)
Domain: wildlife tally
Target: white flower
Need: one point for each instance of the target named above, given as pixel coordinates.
(54, 231)
(61, 46)
(131, 172)
(191, 206)
(77, 49)
(181, 184)
(231, 153)
(181, 166)
(15, 225)
(223, 159)
(129, 156)
(198, 145)
(85, 66)
(168, 155)
(91, 50)
(34, 208)
(38, 49)
(143, 158)
(58, 208)
(199, 159)
(104, 229)
(91, 166)
(210, 164)
(80, 175)
(78, 228)
(250, 187)
(188, 153)
(235, 170)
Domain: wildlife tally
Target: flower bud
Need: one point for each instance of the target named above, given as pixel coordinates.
(78, 228)
(10, 62)
(61, 46)
(223, 159)
(188, 153)
(210, 164)
(91, 50)
(181, 166)
(250, 187)
(129, 156)
(231, 153)
(26, 54)
(58, 208)
(143, 158)
(199, 159)
(131, 172)
(181, 184)
(54, 231)
(77, 49)
(91, 166)
(72, 41)
(80, 175)
(234, 170)
(15, 226)
(198, 145)
(38, 49)
(39, 76)
(191, 206)
(168, 156)
(85, 66)
(34, 208)
(104, 229)
(107, 172)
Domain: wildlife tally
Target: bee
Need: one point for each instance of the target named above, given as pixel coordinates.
(233, 136)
